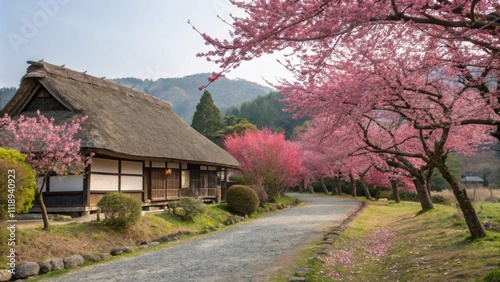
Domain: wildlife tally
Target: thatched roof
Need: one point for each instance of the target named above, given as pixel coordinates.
(120, 119)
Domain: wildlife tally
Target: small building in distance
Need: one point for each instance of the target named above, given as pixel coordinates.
(142, 148)
(470, 180)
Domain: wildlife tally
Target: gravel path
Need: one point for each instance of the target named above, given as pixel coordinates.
(249, 252)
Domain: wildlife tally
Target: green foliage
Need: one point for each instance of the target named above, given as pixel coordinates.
(234, 125)
(187, 208)
(492, 276)
(13, 168)
(278, 203)
(267, 111)
(206, 119)
(242, 199)
(408, 196)
(384, 194)
(485, 181)
(121, 210)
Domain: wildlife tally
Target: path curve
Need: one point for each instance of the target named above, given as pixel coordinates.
(250, 252)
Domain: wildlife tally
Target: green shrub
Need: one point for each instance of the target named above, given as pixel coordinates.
(242, 199)
(120, 210)
(492, 276)
(187, 208)
(440, 199)
(18, 175)
(384, 194)
(408, 196)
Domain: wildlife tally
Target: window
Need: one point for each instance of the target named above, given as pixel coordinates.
(116, 175)
(69, 183)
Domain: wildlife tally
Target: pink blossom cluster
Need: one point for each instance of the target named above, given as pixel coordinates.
(266, 159)
(49, 148)
(379, 242)
(408, 81)
(212, 78)
(337, 258)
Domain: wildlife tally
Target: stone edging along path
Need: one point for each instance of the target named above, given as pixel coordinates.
(249, 252)
(24, 270)
(28, 269)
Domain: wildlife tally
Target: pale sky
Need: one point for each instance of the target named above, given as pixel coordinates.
(118, 38)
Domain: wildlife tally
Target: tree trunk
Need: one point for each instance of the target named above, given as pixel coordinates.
(43, 209)
(339, 186)
(419, 181)
(365, 190)
(310, 188)
(438, 158)
(353, 185)
(302, 187)
(428, 178)
(377, 193)
(423, 194)
(476, 229)
(323, 185)
(395, 192)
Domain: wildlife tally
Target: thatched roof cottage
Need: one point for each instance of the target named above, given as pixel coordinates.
(141, 146)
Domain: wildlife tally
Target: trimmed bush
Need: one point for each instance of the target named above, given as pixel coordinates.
(242, 199)
(187, 208)
(121, 210)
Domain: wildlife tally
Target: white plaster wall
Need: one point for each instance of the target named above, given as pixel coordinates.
(69, 183)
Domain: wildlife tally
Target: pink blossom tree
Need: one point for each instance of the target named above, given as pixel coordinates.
(331, 149)
(266, 159)
(432, 66)
(49, 148)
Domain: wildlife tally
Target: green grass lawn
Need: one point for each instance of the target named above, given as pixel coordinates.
(393, 242)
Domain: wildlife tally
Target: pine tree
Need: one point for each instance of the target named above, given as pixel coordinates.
(232, 124)
(486, 184)
(206, 119)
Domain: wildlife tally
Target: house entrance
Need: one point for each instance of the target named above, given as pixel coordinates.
(165, 184)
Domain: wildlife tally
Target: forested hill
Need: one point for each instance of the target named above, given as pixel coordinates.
(183, 92)
(5, 94)
(267, 111)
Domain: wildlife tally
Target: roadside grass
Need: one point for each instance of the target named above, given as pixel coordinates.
(393, 242)
(34, 244)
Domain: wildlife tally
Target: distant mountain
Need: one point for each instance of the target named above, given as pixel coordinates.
(183, 92)
(5, 94)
